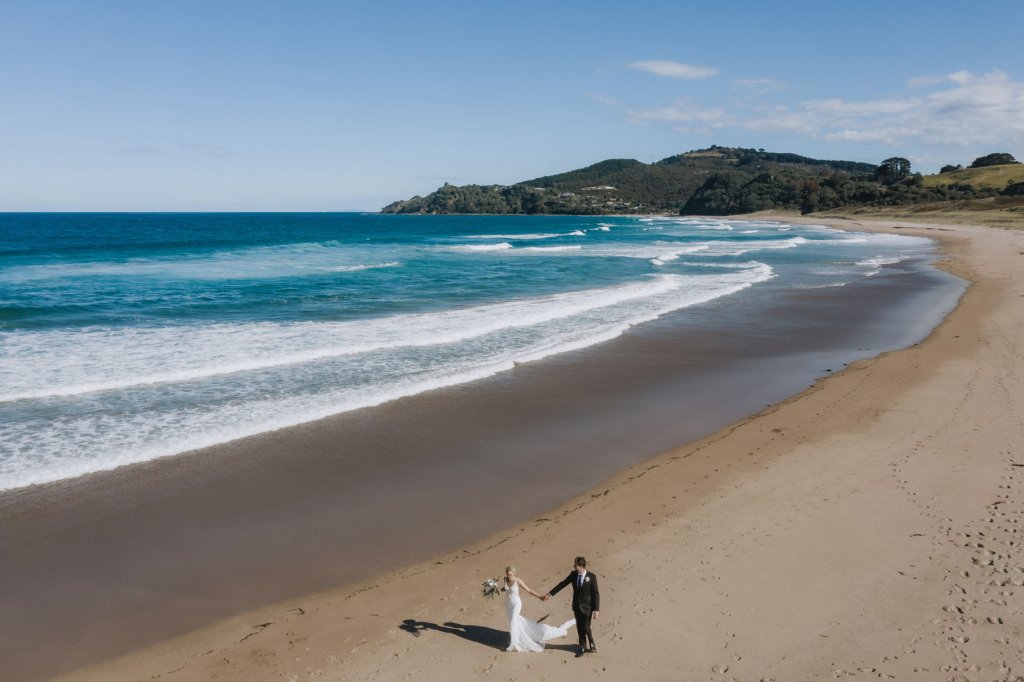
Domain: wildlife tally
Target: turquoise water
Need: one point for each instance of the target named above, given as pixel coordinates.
(126, 337)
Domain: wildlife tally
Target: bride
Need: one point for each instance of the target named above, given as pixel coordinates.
(527, 635)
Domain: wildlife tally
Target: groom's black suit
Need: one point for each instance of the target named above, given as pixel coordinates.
(586, 599)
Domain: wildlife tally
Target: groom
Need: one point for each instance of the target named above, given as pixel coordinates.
(586, 602)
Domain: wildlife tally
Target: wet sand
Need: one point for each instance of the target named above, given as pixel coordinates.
(107, 564)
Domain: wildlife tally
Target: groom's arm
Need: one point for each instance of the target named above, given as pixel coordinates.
(595, 595)
(554, 590)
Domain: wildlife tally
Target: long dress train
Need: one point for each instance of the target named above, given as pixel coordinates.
(527, 635)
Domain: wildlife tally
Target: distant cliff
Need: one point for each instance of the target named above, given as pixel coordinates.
(617, 185)
(713, 181)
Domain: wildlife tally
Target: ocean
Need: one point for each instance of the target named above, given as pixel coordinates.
(129, 337)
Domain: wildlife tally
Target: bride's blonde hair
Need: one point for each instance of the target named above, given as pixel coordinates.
(510, 569)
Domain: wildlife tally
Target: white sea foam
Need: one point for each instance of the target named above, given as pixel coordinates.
(524, 237)
(843, 240)
(748, 265)
(728, 247)
(369, 266)
(502, 246)
(76, 401)
(889, 240)
(875, 265)
(829, 285)
(878, 261)
(662, 251)
(757, 223)
(291, 260)
(48, 364)
(672, 254)
(529, 236)
(334, 367)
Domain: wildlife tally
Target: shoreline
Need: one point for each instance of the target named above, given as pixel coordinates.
(24, 475)
(162, 655)
(67, 479)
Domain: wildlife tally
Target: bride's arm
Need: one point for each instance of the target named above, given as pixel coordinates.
(525, 587)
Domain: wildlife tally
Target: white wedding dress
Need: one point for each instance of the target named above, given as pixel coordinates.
(527, 635)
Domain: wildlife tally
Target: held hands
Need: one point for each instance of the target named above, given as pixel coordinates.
(545, 597)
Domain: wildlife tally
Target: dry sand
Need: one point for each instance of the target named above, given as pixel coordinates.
(869, 528)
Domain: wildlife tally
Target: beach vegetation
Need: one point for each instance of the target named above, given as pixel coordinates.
(1014, 189)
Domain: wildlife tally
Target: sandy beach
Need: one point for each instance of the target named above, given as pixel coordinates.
(320, 321)
(866, 527)
(869, 527)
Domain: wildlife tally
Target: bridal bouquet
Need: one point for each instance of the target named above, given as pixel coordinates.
(492, 586)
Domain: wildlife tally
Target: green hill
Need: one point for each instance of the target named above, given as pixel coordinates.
(611, 186)
(994, 177)
(715, 181)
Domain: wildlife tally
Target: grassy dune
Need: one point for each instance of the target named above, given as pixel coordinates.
(989, 176)
(1005, 212)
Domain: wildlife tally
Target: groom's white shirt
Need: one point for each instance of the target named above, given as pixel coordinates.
(579, 580)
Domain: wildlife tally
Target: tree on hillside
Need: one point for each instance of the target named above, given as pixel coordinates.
(893, 169)
(997, 159)
(950, 168)
(719, 195)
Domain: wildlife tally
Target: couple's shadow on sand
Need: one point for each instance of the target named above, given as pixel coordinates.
(478, 634)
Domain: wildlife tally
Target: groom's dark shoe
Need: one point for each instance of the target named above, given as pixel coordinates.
(579, 654)
(593, 648)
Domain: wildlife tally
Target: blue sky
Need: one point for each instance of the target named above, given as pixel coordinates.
(316, 106)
